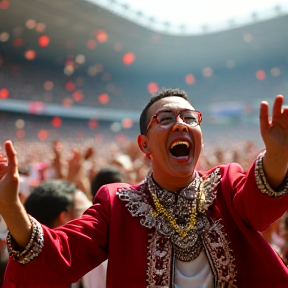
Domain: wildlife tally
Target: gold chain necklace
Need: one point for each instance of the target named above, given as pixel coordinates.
(160, 209)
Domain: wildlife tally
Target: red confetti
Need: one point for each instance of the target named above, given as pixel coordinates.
(20, 133)
(127, 123)
(190, 79)
(30, 55)
(91, 44)
(43, 41)
(78, 95)
(36, 107)
(4, 93)
(152, 87)
(70, 86)
(48, 85)
(260, 75)
(18, 42)
(56, 122)
(93, 123)
(101, 36)
(42, 134)
(103, 98)
(67, 102)
(4, 4)
(128, 58)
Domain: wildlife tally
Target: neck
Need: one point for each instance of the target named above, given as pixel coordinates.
(173, 184)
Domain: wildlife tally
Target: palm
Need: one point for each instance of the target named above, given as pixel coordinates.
(9, 175)
(275, 132)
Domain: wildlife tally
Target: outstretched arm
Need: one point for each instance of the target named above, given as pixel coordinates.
(11, 208)
(274, 132)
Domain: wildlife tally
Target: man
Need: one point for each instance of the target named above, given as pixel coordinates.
(54, 203)
(105, 176)
(178, 228)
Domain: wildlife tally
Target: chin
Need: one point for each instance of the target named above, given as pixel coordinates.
(183, 171)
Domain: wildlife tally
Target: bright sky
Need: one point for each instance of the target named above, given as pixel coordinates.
(197, 12)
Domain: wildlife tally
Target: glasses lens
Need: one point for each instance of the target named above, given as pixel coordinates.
(190, 117)
(166, 118)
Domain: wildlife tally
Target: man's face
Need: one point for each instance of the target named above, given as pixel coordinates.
(174, 149)
(81, 203)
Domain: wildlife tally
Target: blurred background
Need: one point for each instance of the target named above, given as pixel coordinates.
(80, 71)
(75, 75)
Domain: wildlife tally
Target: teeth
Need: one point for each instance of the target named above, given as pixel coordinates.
(180, 143)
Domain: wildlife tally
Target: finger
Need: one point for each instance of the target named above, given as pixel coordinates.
(277, 107)
(11, 154)
(285, 111)
(264, 116)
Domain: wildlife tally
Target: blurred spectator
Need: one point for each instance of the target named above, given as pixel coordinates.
(283, 232)
(55, 202)
(52, 202)
(3, 251)
(106, 176)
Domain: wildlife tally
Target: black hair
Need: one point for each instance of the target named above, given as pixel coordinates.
(105, 176)
(161, 94)
(49, 199)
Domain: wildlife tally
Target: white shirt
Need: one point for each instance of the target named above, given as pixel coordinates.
(96, 278)
(194, 274)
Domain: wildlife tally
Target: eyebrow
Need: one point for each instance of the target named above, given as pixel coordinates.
(163, 110)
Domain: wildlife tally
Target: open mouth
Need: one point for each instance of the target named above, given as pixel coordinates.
(180, 149)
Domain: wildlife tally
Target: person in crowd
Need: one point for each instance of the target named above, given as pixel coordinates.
(283, 233)
(97, 277)
(74, 168)
(3, 250)
(178, 228)
(105, 176)
(54, 203)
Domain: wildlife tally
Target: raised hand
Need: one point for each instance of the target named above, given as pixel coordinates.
(9, 176)
(274, 132)
(11, 208)
(57, 148)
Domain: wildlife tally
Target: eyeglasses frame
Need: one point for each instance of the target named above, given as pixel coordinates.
(155, 116)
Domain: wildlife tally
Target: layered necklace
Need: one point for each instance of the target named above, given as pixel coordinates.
(196, 206)
(180, 216)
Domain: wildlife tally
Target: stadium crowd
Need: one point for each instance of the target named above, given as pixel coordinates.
(81, 163)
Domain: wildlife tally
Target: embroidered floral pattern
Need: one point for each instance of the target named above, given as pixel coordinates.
(164, 239)
(159, 261)
(261, 180)
(218, 248)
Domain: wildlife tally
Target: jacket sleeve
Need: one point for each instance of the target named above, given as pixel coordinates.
(254, 200)
(69, 251)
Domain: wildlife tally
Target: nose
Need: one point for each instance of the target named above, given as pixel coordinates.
(180, 126)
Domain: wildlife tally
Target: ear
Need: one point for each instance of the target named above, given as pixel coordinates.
(143, 143)
(58, 221)
(63, 218)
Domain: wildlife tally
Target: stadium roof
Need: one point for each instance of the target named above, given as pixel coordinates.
(86, 34)
(182, 17)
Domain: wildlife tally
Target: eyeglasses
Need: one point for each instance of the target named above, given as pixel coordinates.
(166, 118)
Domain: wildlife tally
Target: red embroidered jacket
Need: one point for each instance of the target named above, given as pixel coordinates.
(108, 230)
